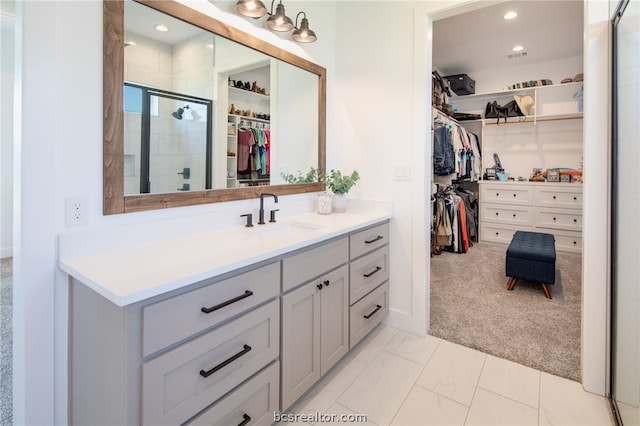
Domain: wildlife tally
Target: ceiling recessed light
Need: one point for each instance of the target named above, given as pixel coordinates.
(510, 15)
(517, 48)
(162, 28)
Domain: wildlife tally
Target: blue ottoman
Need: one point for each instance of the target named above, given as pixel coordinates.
(531, 256)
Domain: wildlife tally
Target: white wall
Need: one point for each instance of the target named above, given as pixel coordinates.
(7, 38)
(595, 223)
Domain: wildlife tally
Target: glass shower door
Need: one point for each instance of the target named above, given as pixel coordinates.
(625, 249)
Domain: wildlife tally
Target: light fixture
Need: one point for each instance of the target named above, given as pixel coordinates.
(510, 15)
(251, 8)
(303, 34)
(162, 28)
(280, 21)
(517, 48)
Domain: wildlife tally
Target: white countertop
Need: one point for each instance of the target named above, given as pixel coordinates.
(126, 275)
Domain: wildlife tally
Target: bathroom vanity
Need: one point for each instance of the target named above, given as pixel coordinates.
(221, 327)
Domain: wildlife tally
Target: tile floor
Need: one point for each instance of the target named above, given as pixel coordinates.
(394, 378)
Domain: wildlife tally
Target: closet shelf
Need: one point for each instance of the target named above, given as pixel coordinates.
(511, 92)
(243, 117)
(246, 94)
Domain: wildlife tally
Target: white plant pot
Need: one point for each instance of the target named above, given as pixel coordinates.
(339, 203)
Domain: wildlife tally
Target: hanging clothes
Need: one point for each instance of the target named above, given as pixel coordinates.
(455, 219)
(456, 151)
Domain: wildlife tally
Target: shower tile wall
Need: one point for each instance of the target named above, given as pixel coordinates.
(185, 68)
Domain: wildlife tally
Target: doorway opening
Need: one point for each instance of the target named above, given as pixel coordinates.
(470, 303)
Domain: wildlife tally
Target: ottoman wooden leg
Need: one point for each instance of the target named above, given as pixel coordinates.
(512, 283)
(545, 288)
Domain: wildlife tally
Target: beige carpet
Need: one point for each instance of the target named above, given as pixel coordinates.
(470, 305)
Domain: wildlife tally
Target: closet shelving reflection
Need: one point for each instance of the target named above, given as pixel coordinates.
(552, 103)
(235, 122)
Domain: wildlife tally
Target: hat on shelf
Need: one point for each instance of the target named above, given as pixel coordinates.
(578, 77)
(526, 104)
(567, 80)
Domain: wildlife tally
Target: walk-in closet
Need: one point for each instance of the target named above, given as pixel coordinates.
(507, 144)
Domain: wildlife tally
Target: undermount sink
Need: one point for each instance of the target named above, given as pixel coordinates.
(285, 228)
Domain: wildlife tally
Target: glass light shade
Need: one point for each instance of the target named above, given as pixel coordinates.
(304, 34)
(280, 21)
(251, 8)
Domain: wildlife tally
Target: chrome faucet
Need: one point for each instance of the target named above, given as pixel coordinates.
(261, 215)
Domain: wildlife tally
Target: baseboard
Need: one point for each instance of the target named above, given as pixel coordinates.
(6, 252)
(406, 322)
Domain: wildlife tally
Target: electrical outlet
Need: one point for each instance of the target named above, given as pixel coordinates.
(76, 211)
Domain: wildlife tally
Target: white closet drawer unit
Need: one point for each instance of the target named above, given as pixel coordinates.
(568, 240)
(309, 264)
(367, 273)
(252, 403)
(500, 233)
(499, 213)
(175, 319)
(189, 378)
(368, 313)
(569, 219)
(368, 240)
(569, 196)
(507, 194)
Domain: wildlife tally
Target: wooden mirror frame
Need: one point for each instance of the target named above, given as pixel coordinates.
(114, 199)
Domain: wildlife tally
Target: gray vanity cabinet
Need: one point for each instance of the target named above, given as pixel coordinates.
(369, 280)
(315, 326)
(165, 360)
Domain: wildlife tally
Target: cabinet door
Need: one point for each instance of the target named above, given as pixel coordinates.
(300, 357)
(334, 314)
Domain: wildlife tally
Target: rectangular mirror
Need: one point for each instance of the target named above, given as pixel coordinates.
(202, 113)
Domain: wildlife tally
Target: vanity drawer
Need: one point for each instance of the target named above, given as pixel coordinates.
(254, 402)
(507, 194)
(500, 213)
(310, 264)
(570, 197)
(367, 273)
(370, 239)
(559, 218)
(368, 313)
(500, 233)
(175, 319)
(173, 384)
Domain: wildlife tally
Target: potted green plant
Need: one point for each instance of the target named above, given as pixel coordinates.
(340, 185)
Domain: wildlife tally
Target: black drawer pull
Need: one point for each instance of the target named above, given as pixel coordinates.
(223, 364)
(575, 198)
(326, 282)
(554, 197)
(514, 195)
(378, 307)
(379, 237)
(497, 213)
(514, 215)
(247, 419)
(319, 286)
(554, 218)
(575, 220)
(246, 294)
(374, 271)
